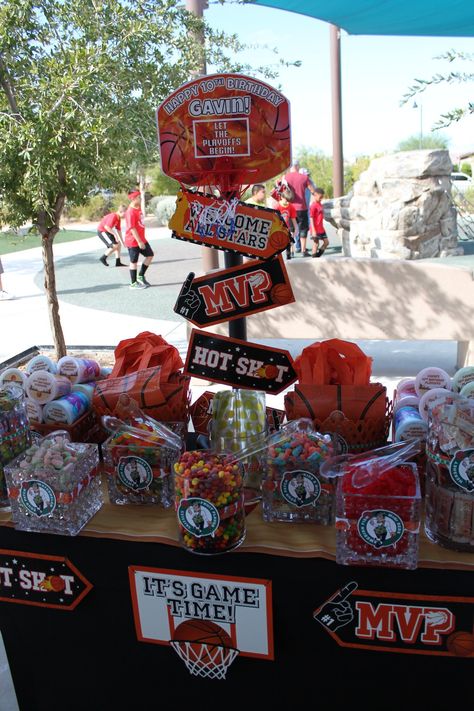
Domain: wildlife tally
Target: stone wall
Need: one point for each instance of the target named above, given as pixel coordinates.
(400, 208)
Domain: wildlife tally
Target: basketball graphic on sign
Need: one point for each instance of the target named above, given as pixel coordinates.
(278, 240)
(282, 294)
(461, 644)
(205, 648)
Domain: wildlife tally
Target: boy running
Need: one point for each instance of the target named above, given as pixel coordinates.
(110, 232)
(136, 242)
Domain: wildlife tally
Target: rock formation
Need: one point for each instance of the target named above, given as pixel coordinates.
(400, 208)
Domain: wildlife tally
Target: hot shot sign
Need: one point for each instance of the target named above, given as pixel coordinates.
(224, 122)
(238, 363)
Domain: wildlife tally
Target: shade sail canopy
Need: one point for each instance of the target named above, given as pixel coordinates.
(431, 18)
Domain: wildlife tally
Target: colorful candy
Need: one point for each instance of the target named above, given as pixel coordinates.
(209, 502)
(139, 462)
(293, 489)
(54, 487)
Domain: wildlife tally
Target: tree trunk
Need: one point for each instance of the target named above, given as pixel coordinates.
(48, 227)
(51, 295)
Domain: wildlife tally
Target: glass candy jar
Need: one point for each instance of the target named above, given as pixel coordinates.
(449, 517)
(378, 524)
(239, 424)
(15, 434)
(54, 486)
(209, 502)
(293, 489)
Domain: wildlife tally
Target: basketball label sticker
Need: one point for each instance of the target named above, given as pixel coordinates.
(461, 469)
(134, 473)
(300, 488)
(380, 528)
(407, 623)
(208, 620)
(37, 497)
(198, 516)
(230, 225)
(232, 293)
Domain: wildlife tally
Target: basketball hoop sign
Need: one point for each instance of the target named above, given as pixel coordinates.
(207, 619)
(226, 125)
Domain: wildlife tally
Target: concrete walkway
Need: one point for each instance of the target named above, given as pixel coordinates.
(98, 309)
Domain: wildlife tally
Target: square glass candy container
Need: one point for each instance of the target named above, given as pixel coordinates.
(54, 486)
(138, 472)
(15, 434)
(294, 490)
(378, 524)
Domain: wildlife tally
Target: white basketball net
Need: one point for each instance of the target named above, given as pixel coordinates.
(207, 660)
(219, 213)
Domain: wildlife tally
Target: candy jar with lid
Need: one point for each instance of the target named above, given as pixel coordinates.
(377, 507)
(449, 519)
(239, 424)
(54, 486)
(138, 459)
(15, 435)
(294, 490)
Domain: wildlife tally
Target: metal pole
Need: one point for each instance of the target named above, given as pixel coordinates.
(336, 102)
(209, 257)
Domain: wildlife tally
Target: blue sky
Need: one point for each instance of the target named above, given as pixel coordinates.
(376, 72)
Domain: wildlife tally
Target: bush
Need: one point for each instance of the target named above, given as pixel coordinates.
(165, 207)
(95, 207)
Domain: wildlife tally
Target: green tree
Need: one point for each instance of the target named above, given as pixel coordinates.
(352, 171)
(161, 184)
(80, 81)
(413, 143)
(452, 76)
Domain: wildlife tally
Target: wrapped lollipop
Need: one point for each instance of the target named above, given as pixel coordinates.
(239, 423)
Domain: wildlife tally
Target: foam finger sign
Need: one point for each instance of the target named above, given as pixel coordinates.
(232, 293)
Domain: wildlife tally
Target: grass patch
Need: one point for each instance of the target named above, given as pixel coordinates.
(11, 242)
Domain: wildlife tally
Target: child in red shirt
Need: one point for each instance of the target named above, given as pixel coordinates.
(136, 242)
(288, 212)
(316, 215)
(110, 232)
